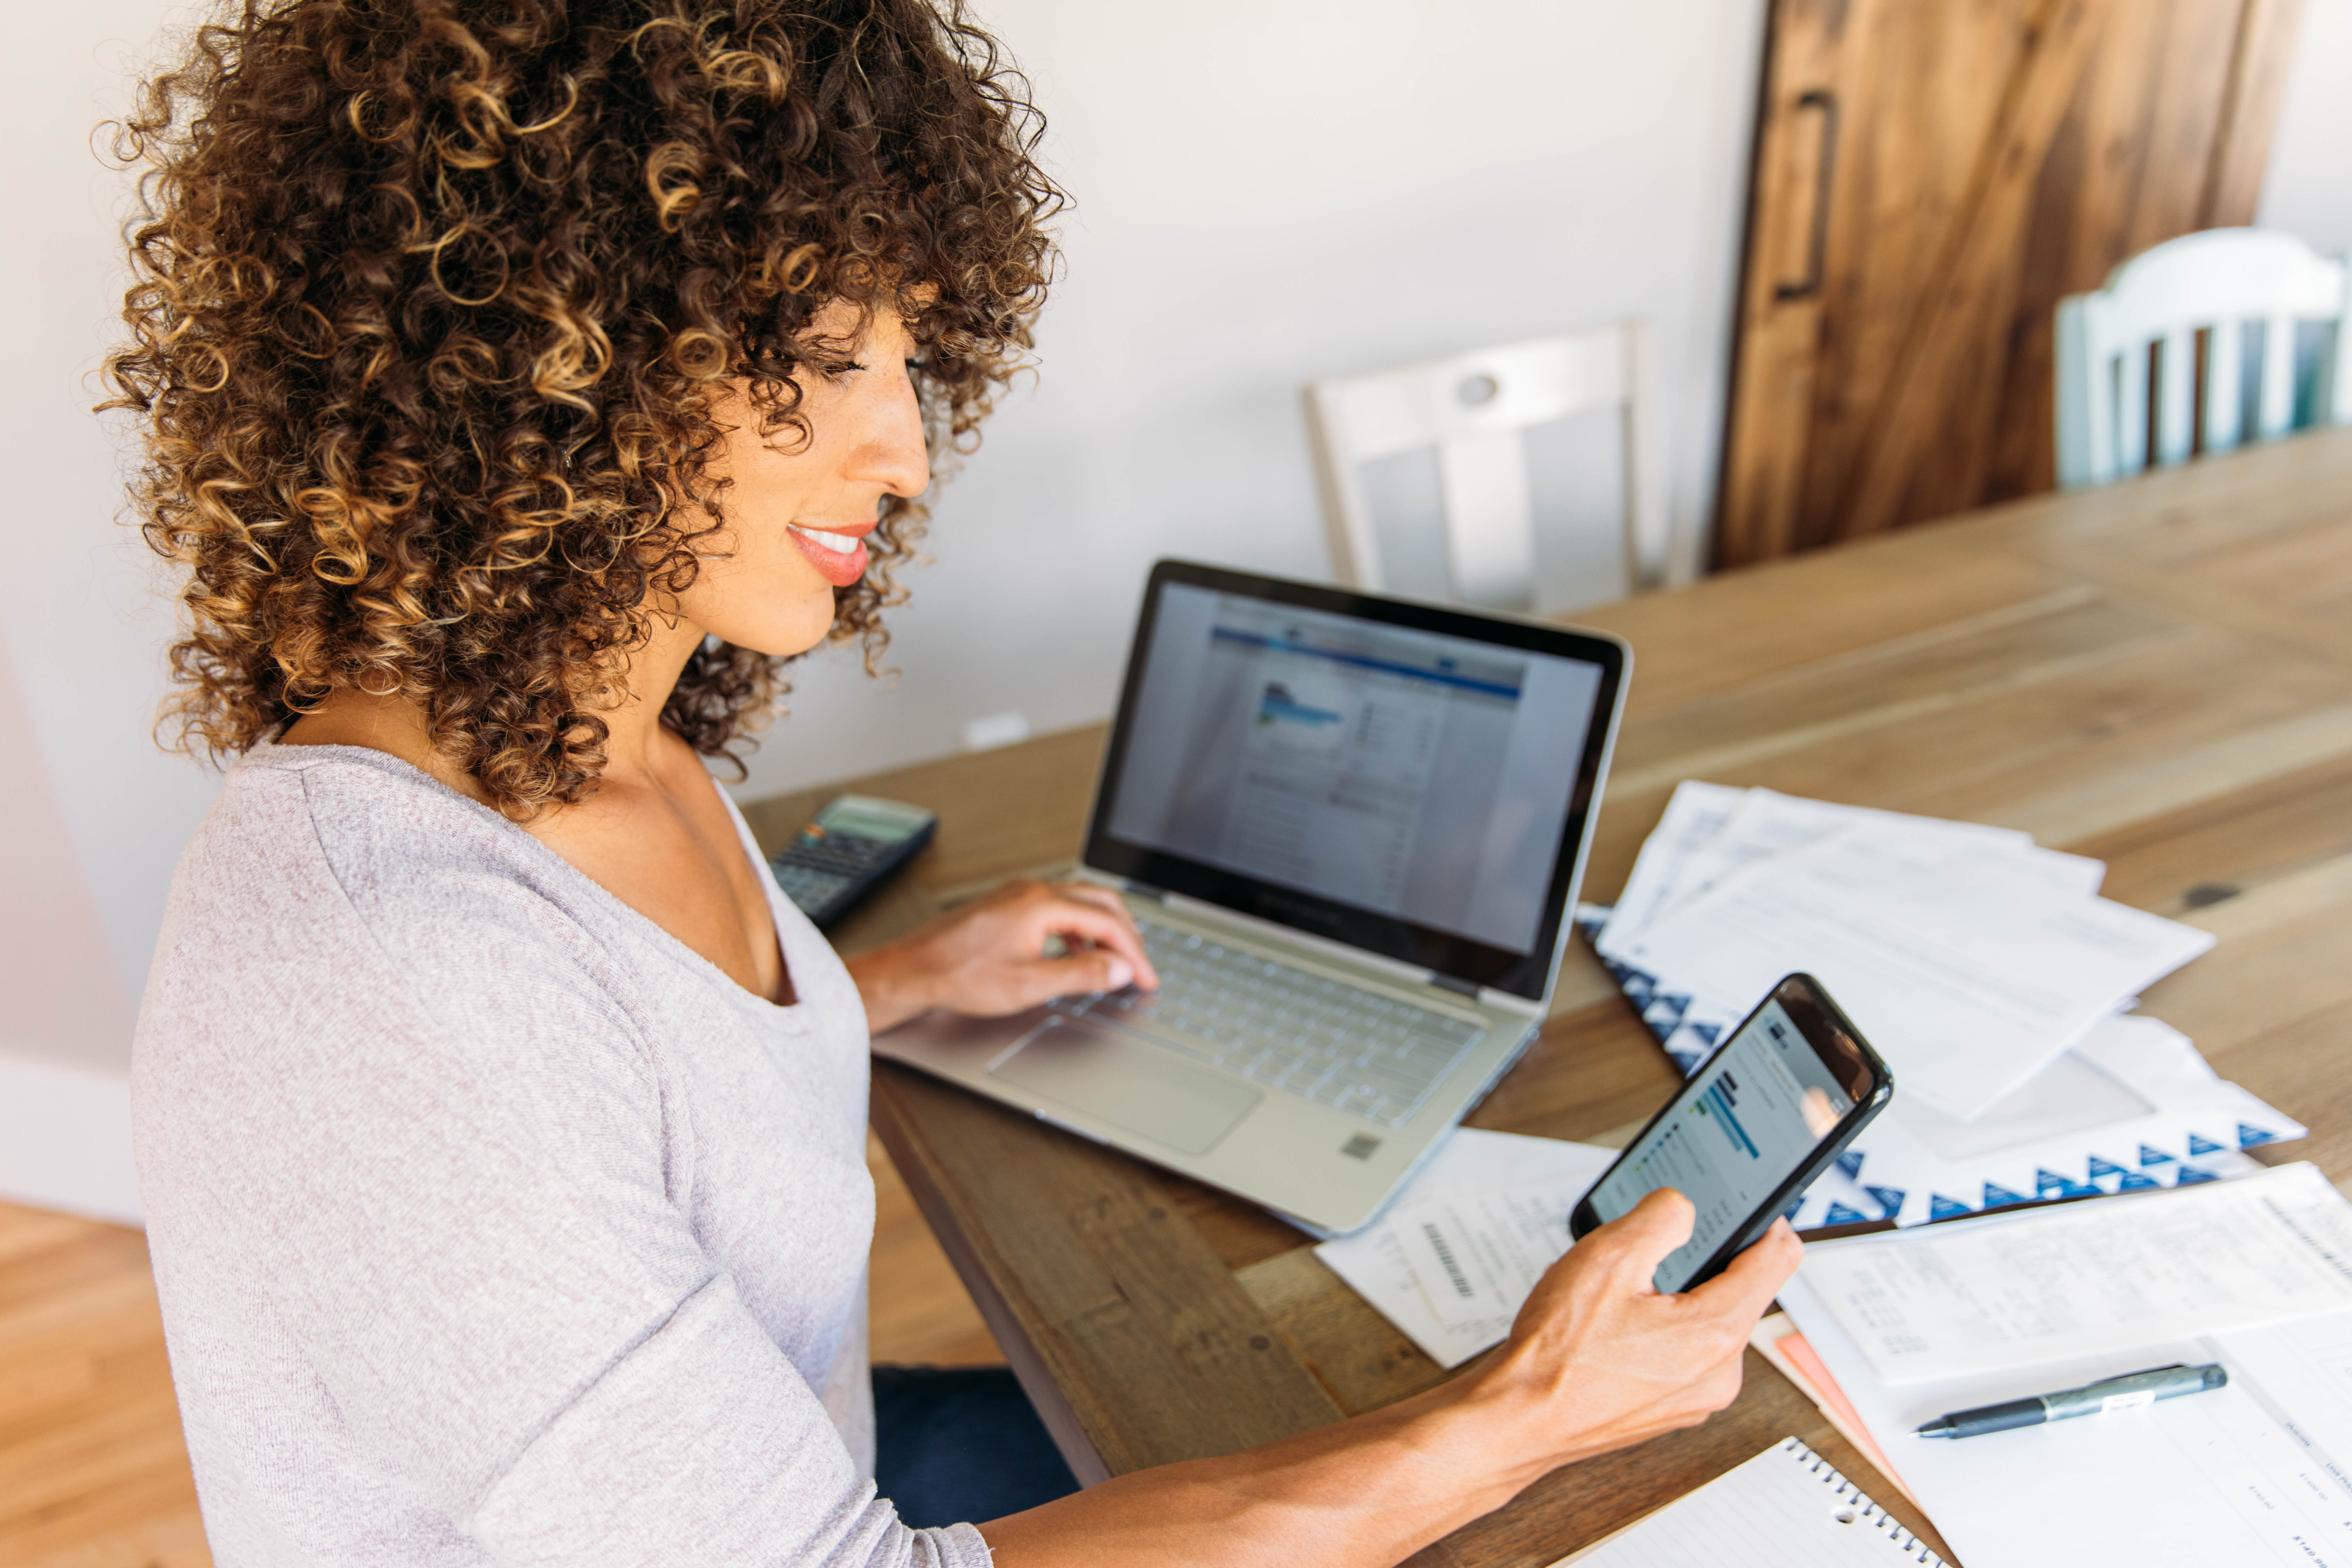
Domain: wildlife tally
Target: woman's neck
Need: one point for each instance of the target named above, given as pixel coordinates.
(397, 725)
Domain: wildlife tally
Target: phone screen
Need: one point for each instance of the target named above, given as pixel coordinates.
(1739, 1129)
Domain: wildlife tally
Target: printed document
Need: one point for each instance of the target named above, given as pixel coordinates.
(1967, 975)
(2002, 1293)
(2257, 1473)
(1454, 1258)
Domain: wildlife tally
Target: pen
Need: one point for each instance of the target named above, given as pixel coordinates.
(2127, 1392)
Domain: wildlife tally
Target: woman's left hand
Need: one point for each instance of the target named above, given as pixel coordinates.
(992, 956)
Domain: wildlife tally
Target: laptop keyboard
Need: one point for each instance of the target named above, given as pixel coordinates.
(1323, 1040)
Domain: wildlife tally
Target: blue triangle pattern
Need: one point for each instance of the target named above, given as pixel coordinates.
(1688, 1061)
(2201, 1145)
(1941, 1207)
(1999, 1196)
(2190, 1175)
(1841, 1215)
(1668, 1006)
(1890, 1200)
(2104, 1168)
(1851, 1163)
(1789, 1214)
(2134, 1181)
(2249, 1136)
(1710, 1033)
(2050, 1184)
(2148, 1157)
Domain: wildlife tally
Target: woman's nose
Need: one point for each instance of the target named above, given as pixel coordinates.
(891, 450)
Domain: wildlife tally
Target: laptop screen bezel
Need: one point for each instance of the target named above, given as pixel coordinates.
(1447, 953)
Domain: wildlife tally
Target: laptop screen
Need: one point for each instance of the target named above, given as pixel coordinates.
(1411, 779)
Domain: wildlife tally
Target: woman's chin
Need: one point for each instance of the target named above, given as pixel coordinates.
(789, 631)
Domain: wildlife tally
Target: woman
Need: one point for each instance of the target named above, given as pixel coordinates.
(524, 383)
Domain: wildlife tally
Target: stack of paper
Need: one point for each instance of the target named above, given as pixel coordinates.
(1987, 971)
(2252, 1275)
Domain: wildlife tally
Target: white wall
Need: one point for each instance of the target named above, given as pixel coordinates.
(82, 619)
(2308, 189)
(1268, 190)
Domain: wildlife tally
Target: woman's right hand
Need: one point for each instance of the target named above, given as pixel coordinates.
(1599, 1360)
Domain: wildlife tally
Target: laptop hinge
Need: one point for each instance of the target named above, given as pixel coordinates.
(1146, 890)
(1459, 987)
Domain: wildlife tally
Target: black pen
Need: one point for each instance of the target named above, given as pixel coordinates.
(2125, 1393)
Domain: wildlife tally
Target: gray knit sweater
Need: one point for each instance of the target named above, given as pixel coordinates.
(491, 1224)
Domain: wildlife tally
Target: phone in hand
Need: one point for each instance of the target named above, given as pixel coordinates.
(1764, 1116)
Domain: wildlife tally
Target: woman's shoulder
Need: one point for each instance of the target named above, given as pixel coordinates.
(344, 861)
(356, 825)
(341, 913)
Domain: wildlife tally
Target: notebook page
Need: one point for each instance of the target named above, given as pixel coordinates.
(1786, 1508)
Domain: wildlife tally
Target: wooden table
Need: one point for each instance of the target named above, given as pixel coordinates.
(2159, 674)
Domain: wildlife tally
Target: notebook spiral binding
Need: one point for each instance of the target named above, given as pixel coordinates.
(1863, 1511)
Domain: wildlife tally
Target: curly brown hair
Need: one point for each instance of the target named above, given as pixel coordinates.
(435, 300)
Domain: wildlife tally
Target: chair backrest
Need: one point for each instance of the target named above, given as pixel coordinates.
(2219, 284)
(1474, 409)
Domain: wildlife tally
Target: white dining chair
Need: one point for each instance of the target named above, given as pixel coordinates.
(1475, 409)
(2222, 285)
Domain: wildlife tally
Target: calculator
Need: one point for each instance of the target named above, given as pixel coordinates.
(854, 846)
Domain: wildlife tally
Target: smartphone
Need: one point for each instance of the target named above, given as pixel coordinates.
(1771, 1110)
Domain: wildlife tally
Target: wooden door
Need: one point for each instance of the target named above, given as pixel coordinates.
(1931, 177)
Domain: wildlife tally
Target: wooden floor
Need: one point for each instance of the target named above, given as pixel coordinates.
(93, 1473)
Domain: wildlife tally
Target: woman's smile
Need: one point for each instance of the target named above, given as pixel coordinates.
(838, 554)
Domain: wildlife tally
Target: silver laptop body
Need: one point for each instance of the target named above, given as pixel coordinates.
(1351, 828)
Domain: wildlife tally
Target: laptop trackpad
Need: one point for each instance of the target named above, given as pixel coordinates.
(1127, 1082)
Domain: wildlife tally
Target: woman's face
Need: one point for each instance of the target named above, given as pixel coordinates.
(798, 511)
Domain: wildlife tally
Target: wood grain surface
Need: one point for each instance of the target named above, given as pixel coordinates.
(2159, 674)
(1989, 158)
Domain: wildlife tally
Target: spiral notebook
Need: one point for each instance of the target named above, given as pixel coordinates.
(1786, 1508)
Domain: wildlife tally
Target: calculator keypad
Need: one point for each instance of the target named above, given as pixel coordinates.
(817, 867)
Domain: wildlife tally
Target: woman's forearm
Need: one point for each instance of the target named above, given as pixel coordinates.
(1597, 1360)
(1374, 1489)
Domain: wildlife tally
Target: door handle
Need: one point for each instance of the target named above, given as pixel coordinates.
(1824, 176)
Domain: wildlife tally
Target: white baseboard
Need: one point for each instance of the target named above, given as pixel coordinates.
(65, 1141)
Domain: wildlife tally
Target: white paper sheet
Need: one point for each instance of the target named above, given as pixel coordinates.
(1998, 1293)
(2132, 1106)
(1694, 817)
(1969, 981)
(1476, 1257)
(2254, 1474)
(1490, 1195)
(1786, 1508)
(1766, 823)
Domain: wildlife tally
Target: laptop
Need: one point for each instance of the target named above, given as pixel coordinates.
(1351, 828)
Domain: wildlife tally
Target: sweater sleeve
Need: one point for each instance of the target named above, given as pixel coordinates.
(437, 1231)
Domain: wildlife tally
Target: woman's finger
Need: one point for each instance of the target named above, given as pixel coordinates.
(1111, 903)
(1747, 1285)
(1066, 916)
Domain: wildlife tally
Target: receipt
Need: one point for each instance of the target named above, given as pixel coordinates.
(1477, 1257)
(1453, 1261)
(2082, 1280)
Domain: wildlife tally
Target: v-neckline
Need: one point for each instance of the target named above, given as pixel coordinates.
(660, 934)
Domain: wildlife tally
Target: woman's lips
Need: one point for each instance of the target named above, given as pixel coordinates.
(838, 554)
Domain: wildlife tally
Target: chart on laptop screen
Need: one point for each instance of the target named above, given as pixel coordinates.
(1405, 772)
